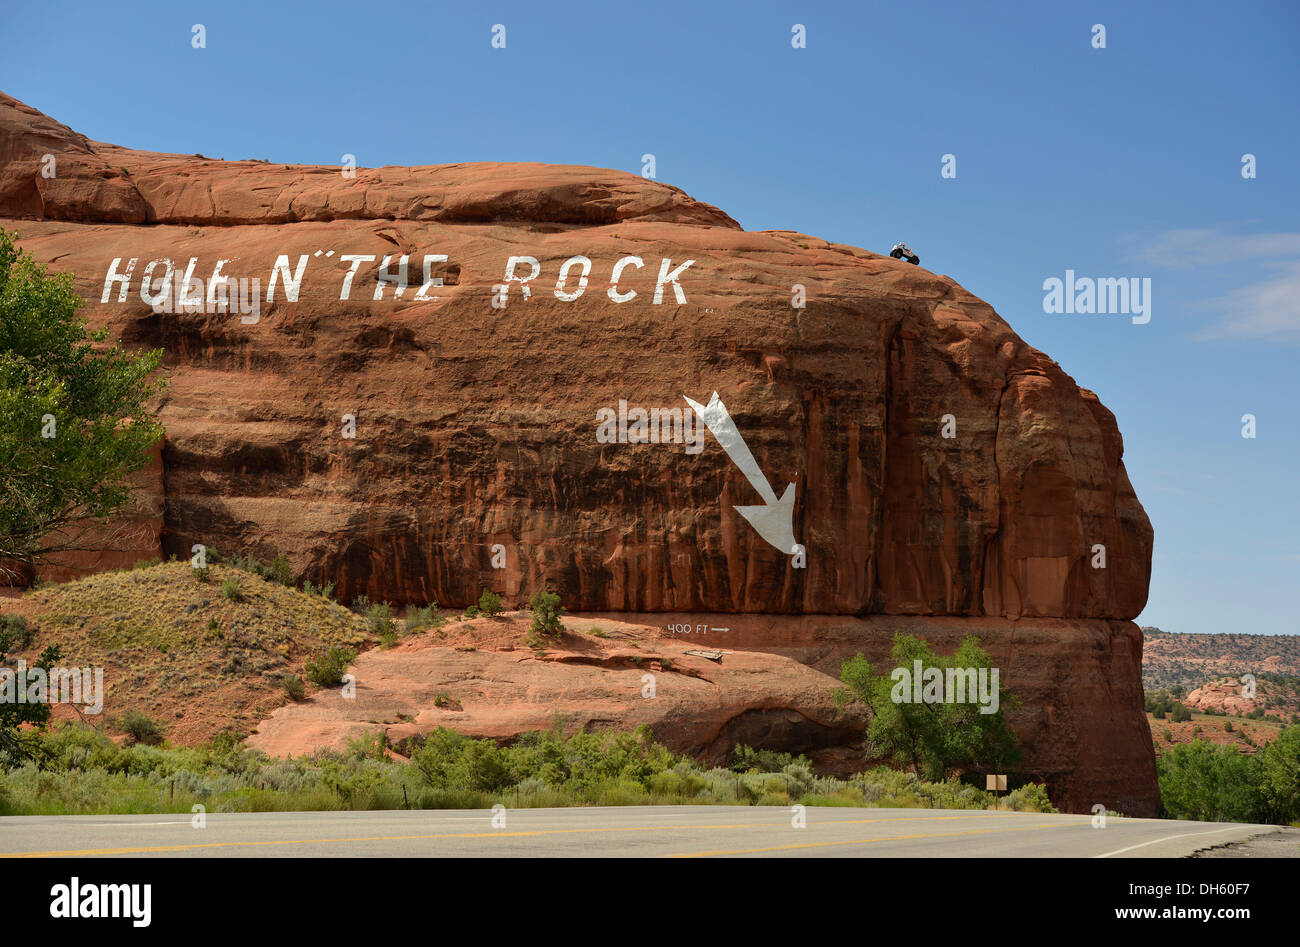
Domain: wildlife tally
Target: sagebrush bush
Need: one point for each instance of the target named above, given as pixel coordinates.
(294, 688)
(327, 670)
(379, 618)
(16, 633)
(1031, 797)
(418, 619)
(278, 570)
(139, 727)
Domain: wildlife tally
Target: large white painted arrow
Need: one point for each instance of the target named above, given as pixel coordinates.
(774, 520)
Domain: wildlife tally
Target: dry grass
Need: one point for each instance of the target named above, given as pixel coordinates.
(178, 649)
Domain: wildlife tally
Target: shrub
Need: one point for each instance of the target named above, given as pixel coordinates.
(230, 590)
(140, 728)
(418, 619)
(449, 760)
(279, 570)
(1031, 797)
(379, 619)
(15, 633)
(327, 670)
(674, 784)
(489, 603)
(745, 759)
(201, 574)
(294, 688)
(388, 639)
(546, 610)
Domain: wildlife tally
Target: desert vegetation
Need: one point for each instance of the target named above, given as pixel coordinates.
(1209, 782)
(56, 374)
(79, 770)
(186, 652)
(936, 741)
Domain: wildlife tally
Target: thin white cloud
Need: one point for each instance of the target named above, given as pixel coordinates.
(1269, 309)
(1207, 247)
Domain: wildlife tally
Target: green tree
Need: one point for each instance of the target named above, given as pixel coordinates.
(73, 417)
(1279, 764)
(935, 739)
(546, 614)
(1209, 783)
(15, 739)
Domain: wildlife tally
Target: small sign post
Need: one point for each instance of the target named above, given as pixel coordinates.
(994, 784)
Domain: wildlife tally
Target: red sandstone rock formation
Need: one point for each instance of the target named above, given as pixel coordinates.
(1223, 696)
(493, 686)
(476, 425)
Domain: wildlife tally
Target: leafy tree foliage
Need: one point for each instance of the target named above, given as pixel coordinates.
(73, 417)
(936, 740)
(1212, 783)
(15, 740)
(546, 614)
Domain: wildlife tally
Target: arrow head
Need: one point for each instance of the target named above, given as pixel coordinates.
(774, 521)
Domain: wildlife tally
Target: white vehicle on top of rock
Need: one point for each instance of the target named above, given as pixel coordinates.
(902, 252)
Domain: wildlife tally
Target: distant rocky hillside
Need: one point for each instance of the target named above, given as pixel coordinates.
(1172, 660)
(1274, 696)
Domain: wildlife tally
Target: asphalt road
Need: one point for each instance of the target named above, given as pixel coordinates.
(653, 831)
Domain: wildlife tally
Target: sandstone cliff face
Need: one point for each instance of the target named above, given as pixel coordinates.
(476, 423)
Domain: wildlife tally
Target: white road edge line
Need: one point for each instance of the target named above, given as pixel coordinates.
(1169, 838)
(118, 825)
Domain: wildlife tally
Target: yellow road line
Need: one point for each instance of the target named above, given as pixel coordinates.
(865, 841)
(463, 835)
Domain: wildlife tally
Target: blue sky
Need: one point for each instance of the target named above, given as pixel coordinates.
(1123, 161)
